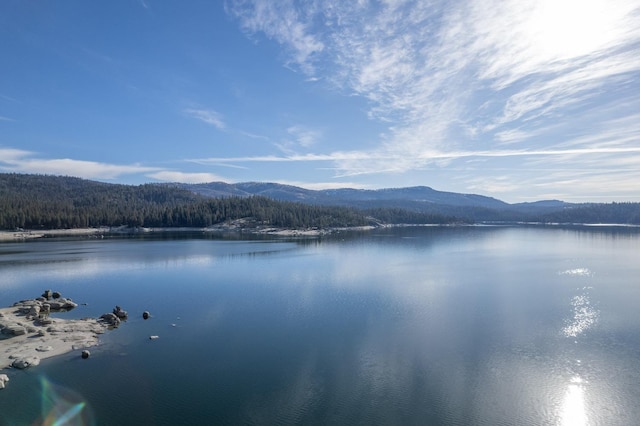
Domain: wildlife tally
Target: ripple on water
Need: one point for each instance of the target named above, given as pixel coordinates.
(584, 314)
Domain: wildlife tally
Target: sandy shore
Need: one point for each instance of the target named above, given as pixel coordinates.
(44, 341)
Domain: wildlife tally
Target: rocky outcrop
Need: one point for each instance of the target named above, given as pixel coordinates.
(41, 307)
(28, 333)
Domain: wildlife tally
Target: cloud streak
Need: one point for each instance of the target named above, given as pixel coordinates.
(457, 80)
(207, 116)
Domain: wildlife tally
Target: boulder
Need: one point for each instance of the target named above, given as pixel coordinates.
(62, 303)
(14, 330)
(34, 311)
(117, 311)
(85, 354)
(26, 362)
(44, 321)
(3, 380)
(44, 348)
(110, 319)
(145, 315)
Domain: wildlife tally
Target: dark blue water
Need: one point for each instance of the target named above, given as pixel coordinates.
(441, 326)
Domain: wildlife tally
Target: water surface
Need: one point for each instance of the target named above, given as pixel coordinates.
(441, 326)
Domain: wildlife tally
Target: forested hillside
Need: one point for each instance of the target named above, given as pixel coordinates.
(53, 202)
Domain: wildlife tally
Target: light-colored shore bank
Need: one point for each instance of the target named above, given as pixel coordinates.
(26, 234)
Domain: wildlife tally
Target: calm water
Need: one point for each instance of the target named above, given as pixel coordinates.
(429, 326)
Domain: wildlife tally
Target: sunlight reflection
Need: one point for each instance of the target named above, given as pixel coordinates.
(573, 411)
(585, 315)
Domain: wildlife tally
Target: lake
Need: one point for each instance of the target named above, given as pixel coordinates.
(419, 325)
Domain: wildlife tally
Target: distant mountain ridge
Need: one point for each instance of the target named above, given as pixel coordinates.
(414, 198)
(426, 200)
(423, 194)
(43, 201)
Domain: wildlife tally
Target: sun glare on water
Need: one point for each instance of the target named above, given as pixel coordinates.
(573, 408)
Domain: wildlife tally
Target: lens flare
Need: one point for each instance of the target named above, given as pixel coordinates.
(63, 407)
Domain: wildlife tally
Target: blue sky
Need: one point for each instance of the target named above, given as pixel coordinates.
(521, 100)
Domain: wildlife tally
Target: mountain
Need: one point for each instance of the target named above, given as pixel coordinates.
(426, 200)
(417, 199)
(41, 201)
(345, 196)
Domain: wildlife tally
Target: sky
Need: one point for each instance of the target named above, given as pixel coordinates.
(521, 100)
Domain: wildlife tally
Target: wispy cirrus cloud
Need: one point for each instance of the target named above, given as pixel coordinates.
(208, 116)
(461, 79)
(286, 23)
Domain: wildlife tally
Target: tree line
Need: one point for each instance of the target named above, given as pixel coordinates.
(60, 202)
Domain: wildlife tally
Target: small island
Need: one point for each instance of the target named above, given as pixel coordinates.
(29, 334)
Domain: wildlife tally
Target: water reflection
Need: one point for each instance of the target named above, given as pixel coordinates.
(585, 315)
(573, 412)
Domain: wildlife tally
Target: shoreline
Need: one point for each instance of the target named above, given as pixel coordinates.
(29, 234)
(238, 227)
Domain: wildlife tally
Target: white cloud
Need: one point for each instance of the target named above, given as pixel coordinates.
(304, 136)
(12, 154)
(208, 116)
(15, 160)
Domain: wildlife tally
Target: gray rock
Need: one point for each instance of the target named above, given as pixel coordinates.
(110, 319)
(44, 348)
(26, 362)
(119, 312)
(14, 329)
